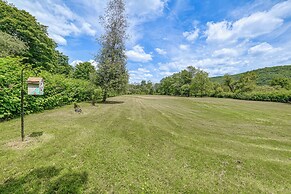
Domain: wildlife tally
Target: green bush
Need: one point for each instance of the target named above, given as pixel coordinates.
(96, 95)
(58, 90)
(274, 96)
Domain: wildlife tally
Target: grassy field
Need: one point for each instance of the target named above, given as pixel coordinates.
(150, 144)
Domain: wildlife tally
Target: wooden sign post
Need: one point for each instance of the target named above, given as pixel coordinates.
(35, 87)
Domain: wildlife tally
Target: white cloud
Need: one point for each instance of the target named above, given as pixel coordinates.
(137, 54)
(58, 39)
(139, 75)
(282, 10)
(191, 36)
(88, 29)
(145, 9)
(63, 22)
(261, 49)
(256, 24)
(160, 51)
(76, 62)
(252, 26)
(184, 47)
(94, 63)
(143, 70)
(214, 66)
(225, 52)
(166, 73)
(218, 31)
(60, 19)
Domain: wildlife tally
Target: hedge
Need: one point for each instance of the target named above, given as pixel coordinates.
(58, 90)
(273, 96)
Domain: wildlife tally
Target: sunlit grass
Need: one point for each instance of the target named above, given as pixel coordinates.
(150, 144)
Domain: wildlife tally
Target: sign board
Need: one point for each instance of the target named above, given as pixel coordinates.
(35, 86)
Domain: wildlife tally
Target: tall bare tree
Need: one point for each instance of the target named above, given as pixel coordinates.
(112, 75)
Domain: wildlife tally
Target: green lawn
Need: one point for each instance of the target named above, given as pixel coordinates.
(150, 144)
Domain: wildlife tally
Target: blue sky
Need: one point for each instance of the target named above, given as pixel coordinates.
(166, 36)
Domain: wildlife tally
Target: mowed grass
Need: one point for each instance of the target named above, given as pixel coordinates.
(150, 144)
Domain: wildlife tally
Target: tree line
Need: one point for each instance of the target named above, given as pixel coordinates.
(196, 82)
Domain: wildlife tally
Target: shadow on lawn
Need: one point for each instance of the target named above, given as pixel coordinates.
(111, 102)
(36, 134)
(46, 180)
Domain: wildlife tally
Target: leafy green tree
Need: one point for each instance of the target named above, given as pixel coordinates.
(201, 85)
(247, 82)
(282, 82)
(19, 23)
(112, 73)
(173, 85)
(164, 87)
(217, 88)
(145, 87)
(229, 82)
(192, 71)
(11, 45)
(63, 65)
(185, 90)
(84, 70)
(150, 89)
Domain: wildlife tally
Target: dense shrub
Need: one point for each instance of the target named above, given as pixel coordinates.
(274, 96)
(58, 91)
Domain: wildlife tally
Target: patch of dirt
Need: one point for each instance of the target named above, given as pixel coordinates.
(18, 144)
(28, 142)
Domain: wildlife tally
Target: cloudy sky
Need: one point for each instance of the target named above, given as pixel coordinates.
(166, 36)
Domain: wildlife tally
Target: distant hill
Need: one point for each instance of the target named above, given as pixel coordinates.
(265, 75)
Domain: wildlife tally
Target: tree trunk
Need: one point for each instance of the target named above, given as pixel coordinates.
(104, 96)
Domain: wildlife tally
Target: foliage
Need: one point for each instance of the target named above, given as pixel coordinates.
(63, 65)
(272, 96)
(190, 81)
(144, 87)
(200, 85)
(244, 87)
(112, 74)
(59, 90)
(264, 75)
(83, 71)
(11, 45)
(246, 82)
(229, 82)
(19, 23)
(96, 95)
(282, 82)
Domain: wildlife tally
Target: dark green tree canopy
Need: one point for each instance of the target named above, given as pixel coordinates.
(84, 70)
(11, 45)
(283, 82)
(19, 23)
(190, 81)
(63, 64)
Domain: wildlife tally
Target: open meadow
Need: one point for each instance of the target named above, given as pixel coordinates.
(150, 144)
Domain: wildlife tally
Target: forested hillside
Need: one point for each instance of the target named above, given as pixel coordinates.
(264, 75)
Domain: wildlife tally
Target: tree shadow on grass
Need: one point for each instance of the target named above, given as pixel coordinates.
(36, 134)
(46, 180)
(111, 102)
